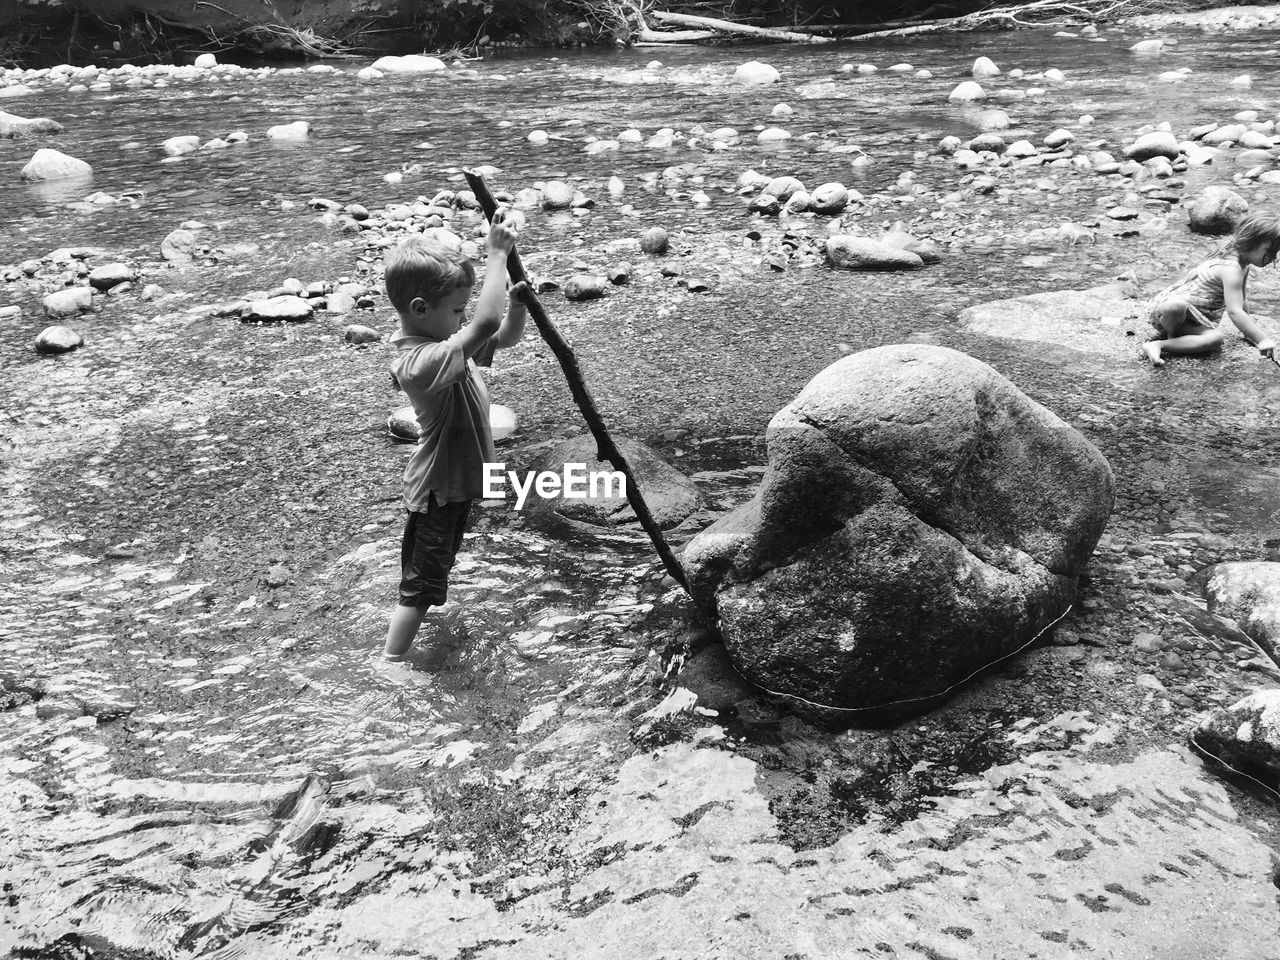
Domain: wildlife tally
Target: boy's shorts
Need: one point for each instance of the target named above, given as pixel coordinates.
(431, 541)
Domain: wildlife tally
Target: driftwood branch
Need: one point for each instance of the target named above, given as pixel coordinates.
(1036, 13)
(727, 26)
(606, 449)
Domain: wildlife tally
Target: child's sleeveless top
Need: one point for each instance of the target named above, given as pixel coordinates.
(1200, 288)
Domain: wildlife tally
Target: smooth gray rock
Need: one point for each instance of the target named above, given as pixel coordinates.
(556, 195)
(1156, 144)
(920, 518)
(669, 494)
(863, 253)
(111, 274)
(58, 339)
(584, 286)
(67, 303)
(339, 302)
(1246, 736)
(13, 126)
(48, 164)
(1216, 211)
(277, 309)
(180, 247)
(782, 188)
(829, 199)
(655, 241)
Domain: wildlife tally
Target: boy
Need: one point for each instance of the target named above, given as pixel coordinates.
(429, 286)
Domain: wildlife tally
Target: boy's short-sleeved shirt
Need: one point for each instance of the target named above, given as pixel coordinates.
(452, 408)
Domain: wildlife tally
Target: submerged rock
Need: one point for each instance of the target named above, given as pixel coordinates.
(1245, 736)
(920, 518)
(1108, 319)
(669, 494)
(1249, 594)
(863, 253)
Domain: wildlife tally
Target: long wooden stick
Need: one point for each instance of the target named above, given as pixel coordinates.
(605, 447)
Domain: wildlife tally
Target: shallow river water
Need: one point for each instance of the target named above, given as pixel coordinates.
(200, 540)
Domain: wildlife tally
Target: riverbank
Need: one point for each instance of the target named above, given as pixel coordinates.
(44, 33)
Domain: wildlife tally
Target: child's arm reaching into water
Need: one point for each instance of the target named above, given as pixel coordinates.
(1233, 300)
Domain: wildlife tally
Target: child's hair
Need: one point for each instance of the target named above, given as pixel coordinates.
(417, 267)
(1255, 229)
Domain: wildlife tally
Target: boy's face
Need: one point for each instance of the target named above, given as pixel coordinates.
(442, 319)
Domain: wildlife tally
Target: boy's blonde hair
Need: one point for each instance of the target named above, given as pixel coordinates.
(418, 267)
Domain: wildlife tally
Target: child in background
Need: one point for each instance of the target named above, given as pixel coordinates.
(429, 286)
(1186, 313)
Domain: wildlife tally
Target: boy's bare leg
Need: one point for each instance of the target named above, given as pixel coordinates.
(1152, 349)
(403, 627)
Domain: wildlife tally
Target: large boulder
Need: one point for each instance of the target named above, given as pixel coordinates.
(46, 164)
(1249, 594)
(1245, 736)
(669, 494)
(1216, 211)
(920, 518)
(862, 253)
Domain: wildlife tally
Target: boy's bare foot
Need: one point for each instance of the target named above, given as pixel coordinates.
(400, 672)
(1152, 350)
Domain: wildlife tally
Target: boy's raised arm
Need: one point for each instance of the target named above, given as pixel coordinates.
(512, 329)
(488, 315)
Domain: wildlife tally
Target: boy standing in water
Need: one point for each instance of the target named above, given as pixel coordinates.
(429, 286)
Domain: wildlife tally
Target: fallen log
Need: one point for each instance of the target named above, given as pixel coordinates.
(673, 36)
(728, 26)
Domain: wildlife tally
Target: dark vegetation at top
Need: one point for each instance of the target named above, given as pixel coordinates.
(36, 33)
